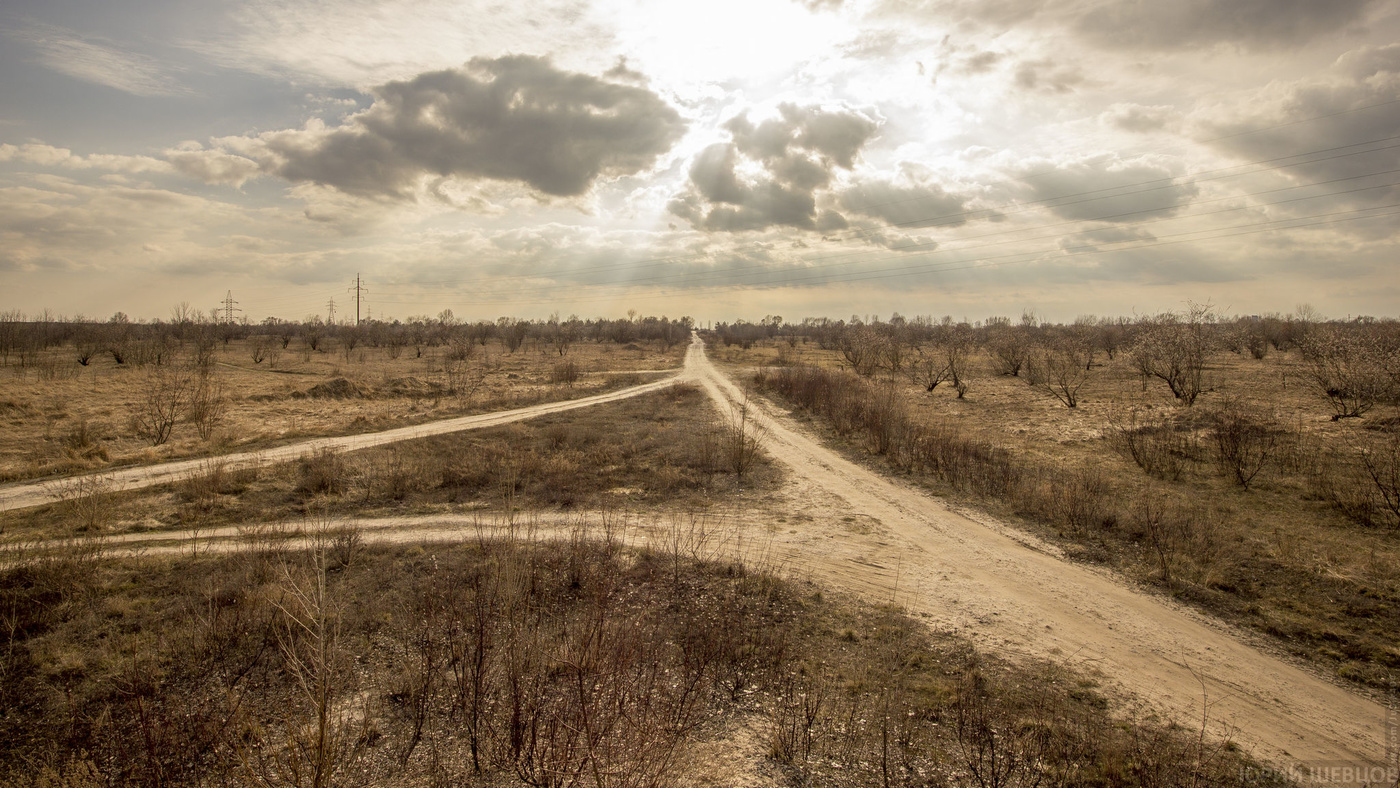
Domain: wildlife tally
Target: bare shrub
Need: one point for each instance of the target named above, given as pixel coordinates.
(258, 348)
(567, 372)
(1243, 445)
(1382, 466)
(1060, 367)
(1010, 346)
(394, 472)
(1348, 365)
(317, 743)
(208, 405)
(986, 738)
(86, 501)
(742, 439)
(799, 705)
(860, 349)
(1076, 498)
(323, 472)
(164, 393)
(1156, 446)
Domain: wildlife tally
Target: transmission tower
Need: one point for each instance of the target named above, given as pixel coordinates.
(360, 291)
(330, 312)
(230, 307)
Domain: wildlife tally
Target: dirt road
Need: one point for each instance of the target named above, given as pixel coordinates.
(19, 496)
(1009, 594)
(844, 525)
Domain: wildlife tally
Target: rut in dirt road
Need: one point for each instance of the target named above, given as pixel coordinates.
(1010, 597)
(20, 496)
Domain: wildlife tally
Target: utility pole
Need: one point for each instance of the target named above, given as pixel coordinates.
(360, 291)
(330, 312)
(229, 308)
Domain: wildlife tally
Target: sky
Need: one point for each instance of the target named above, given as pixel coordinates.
(722, 160)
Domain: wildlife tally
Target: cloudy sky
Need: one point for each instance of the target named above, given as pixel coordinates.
(732, 158)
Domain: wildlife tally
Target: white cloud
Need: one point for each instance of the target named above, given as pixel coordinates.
(50, 156)
(99, 62)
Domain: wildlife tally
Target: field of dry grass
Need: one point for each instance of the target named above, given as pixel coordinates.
(1283, 556)
(508, 661)
(61, 417)
(658, 452)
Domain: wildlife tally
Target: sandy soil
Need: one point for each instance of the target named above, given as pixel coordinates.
(842, 524)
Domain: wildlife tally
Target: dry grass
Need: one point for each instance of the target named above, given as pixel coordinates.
(665, 450)
(60, 417)
(1254, 504)
(509, 662)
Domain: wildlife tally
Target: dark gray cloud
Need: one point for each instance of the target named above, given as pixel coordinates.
(1128, 24)
(1320, 128)
(1047, 75)
(1105, 186)
(1135, 24)
(770, 172)
(514, 118)
(1138, 118)
(907, 205)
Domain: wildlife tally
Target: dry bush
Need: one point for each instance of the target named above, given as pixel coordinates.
(1060, 367)
(499, 661)
(1075, 499)
(207, 405)
(1363, 481)
(83, 443)
(567, 372)
(258, 348)
(1010, 346)
(165, 391)
(1349, 365)
(1158, 447)
(741, 442)
(1243, 445)
(1382, 466)
(323, 472)
(1174, 347)
(86, 501)
(395, 472)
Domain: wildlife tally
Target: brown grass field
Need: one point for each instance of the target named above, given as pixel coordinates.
(578, 659)
(62, 418)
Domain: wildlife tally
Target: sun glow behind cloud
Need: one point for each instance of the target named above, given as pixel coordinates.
(649, 194)
(687, 46)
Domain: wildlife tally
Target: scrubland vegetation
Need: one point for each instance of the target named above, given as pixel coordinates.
(1248, 466)
(660, 451)
(78, 395)
(509, 661)
(1245, 466)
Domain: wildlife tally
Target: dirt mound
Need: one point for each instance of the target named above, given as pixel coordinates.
(335, 388)
(411, 387)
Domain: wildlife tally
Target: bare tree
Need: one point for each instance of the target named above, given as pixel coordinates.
(1174, 347)
(1059, 366)
(1348, 364)
(207, 405)
(164, 394)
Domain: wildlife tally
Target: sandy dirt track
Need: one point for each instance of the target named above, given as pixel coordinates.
(1010, 594)
(841, 524)
(20, 496)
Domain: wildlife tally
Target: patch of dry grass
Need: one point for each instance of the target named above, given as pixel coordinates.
(61, 417)
(661, 450)
(507, 662)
